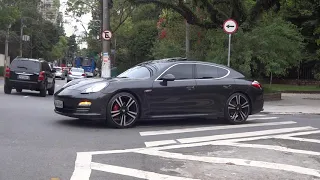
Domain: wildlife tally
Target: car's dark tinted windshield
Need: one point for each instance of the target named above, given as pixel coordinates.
(137, 72)
(26, 65)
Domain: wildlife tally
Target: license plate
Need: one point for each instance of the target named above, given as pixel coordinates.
(58, 104)
(23, 77)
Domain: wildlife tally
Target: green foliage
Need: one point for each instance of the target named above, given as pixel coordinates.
(1, 71)
(273, 46)
(59, 50)
(167, 48)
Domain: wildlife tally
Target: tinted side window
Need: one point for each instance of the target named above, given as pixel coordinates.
(45, 66)
(181, 71)
(206, 72)
(222, 72)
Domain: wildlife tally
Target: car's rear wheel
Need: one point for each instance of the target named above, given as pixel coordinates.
(51, 90)
(19, 90)
(43, 91)
(7, 89)
(122, 110)
(237, 109)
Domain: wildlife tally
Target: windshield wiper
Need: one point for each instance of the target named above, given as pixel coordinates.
(22, 67)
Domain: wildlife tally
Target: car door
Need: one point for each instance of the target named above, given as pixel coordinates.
(49, 74)
(174, 98)
(213, 87)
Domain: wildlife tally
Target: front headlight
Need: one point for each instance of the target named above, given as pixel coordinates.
(95, 88)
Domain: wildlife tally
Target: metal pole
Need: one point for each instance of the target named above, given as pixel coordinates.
(21, 34)
(6, 51)
(229, 50)
(106, 66)
(187, 39)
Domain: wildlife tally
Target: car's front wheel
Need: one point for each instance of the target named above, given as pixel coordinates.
(122, 110)
(237, 109)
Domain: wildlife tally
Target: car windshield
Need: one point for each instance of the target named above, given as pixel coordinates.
(77, 70)
(137, 72)
(25, 64)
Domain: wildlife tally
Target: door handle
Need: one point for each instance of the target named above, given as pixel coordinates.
(190, 88)
(227, 86)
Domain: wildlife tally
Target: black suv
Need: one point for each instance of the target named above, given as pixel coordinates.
(31, 74)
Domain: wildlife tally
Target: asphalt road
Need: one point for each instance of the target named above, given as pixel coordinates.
(38, 144)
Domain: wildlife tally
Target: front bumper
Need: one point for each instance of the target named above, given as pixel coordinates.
(71, 108)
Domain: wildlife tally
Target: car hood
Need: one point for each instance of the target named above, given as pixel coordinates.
(82, 84)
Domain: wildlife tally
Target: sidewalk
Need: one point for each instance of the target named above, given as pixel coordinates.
(294, 104)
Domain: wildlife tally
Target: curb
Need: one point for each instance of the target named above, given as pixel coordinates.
(289, 113)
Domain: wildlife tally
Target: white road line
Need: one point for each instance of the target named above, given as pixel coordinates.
(270, 147)
(159, 143)
(134, 172)
(82, 168)
(299, 133)
(263, 118)
(235, 161)
(245, 134)
(300, 139)
(257, 115)
(176, 131)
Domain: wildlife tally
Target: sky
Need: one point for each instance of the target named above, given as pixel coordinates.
(70, 22)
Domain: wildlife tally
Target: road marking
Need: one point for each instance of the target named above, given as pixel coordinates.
(245, 134)
(176, 131)
(134, 172)
(82, 170)
(300, 139)
(263, 118)
(270, 147)
(235, 161)
(25, 96)
(257, 115)
(299, 133)
(159, 143)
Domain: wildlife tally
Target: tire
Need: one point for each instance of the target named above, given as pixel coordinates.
(121, 107)
(18, 90)
(51, 90)
(235, 111)
(43, 91)
(7, 89)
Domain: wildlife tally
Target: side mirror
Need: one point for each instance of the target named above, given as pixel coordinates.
(168, 77)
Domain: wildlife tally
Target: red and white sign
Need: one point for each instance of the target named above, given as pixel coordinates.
(230, 26)
(106, 35)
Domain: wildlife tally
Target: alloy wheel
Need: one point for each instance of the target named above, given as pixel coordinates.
(124, 110)
(238, 108)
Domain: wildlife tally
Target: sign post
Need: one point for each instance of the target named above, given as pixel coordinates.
(106, 64)
(230, 26)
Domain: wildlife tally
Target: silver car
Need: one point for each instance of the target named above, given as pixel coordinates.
(59, 73)
(76, 73)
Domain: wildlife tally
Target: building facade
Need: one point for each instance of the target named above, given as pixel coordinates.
(50, 10)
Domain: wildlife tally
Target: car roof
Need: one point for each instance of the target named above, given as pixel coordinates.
(29, 59)
(167, 62)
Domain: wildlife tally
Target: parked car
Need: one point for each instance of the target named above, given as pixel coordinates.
(168, 88)
(75, 73)
(59, 73)
(31, 74)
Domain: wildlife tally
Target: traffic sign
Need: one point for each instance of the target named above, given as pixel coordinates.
(230, 26)
(106, 35)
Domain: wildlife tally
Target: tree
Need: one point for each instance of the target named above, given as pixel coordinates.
(59, 50)
(213, 13)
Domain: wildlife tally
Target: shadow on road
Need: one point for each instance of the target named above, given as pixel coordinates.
(28, 93)
(146, 123)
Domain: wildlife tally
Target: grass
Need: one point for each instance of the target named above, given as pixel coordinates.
(291, 88)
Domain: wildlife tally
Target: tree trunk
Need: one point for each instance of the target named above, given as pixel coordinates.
(270, 78)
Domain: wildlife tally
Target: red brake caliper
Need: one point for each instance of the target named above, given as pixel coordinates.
(115, 107)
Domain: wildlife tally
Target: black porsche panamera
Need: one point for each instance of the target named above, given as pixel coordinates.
(166, 88)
